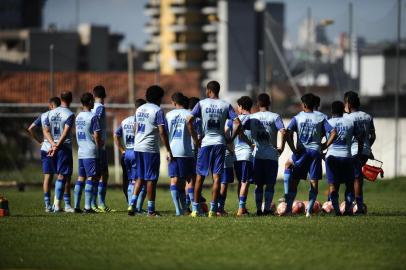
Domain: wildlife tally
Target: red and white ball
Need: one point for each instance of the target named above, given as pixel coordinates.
(281, 209)
(327, 207)
(316, 206)
(298, 207)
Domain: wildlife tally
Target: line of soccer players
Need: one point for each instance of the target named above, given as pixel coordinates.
(207, 136)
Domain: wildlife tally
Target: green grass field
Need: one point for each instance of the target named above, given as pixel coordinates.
(32, 239)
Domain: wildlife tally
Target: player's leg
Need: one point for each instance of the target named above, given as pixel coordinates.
(259, 185)
(217, 167)
(141, 198)
(151, 177)
(60, 160)
(315, 174)
(80, 183)
(67, 196)
(226, 178)
(286, 179)
(360, 161)
(48, 171)
(202, 170)
(102, 187)
(189, 190)
(174, 174)
(151, 195)
(270, 181)
(67, 172)
(126, 181)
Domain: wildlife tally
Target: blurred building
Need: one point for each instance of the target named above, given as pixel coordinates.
(90, 48)
(16, 14)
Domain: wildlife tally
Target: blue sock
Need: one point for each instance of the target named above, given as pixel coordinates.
(213, 206)
(286, 180)
(242, 202)
(59, 186)
(101, 193)
(190, 195)
(182, 199)
(195, 206)
(94, 194)
(360, 202)
(175, 199)
(77, 193)
(259, 193)
(133, 200)
(334, 200)
(141, 198)
(290, 197)
(130, 191)
(349, 199)
(221, 203)
(269, 192)
(47, 199)
(66, 199)
(88, 194)
(151, 207)
(312, 199)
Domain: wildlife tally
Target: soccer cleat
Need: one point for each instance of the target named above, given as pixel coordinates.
(105, 209)
(268, 213)
(194, 214)
(89, 211)
(49, 209)
(242, 212)
(154, 214)
(187, 212)
(69, 209)
(78, 211)
(260, 213)
(212, 214)
(221, 213)
(96, 209)
(130, 210)
(308, 215)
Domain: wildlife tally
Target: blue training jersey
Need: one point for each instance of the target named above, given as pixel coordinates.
(229, 157)
(341, 147)
(213, 113)
(180, 140)
(40, 123)
(242, 150)
(86, 124)
(148, 117)
(100, 111)
(364, 125)
(264, 128)
(57, 119)
(126, 132)
(310, 128)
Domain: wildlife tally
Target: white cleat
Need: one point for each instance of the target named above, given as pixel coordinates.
(69, 209)
(308, 215)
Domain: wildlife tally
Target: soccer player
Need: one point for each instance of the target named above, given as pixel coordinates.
(99, 110)
(57, 130)
(124, 139)
(364, 124)
(265, 126)
(317, 106)
(227, 177)
(150, 122)
(213, 112)
(182, 166)
(243, 152)
(339, 162)
(47, 164)
(89, 140)
(306, 156)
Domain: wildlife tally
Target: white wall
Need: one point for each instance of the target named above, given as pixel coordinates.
(372, 77)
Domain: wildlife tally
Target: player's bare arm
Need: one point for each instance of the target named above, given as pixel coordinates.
(236, 128)
(332, 137)
(289, 141)
(164, 139)
(282, 135)
(117, 142)
(32, 134)
(192, 132)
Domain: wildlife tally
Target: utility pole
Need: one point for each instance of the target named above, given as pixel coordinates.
(130, 67)
(397, 89)
(309, 49)
(350, 30)
(51, 70)
(157, 69)
(261, 63)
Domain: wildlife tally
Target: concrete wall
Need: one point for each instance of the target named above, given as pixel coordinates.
(372, 77)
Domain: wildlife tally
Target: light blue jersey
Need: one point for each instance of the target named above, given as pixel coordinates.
(213, 113)
(179, 138)
(197, 126)
(148, 117)
(57, 119)
(322, 114)
(264, 128)
(310, 128)
(229, 157)
(100, 111)
(126, 132)
(86, 124)
(363, 124)
(341, 147)
(242, 150)
(40, 123)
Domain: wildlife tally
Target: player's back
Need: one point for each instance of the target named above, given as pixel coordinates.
(363, 124)
(100, 111)
(127, 126)
(229, 156)
(214, 113)
(310, 129)
(341, 147)
(264, 131)
(179, 138)
(147, 117)
(242, 150)
(84, 134)
(45, 146)
(57, 119)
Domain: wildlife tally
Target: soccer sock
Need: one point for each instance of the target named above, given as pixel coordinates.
(221, 203)
(141, 198)
(182, 199)
(334, 200)
(151, 207)
(59, 185)
(88, 194)
(101, 193)
(349, 199)
(269, 192)
(66, 199)
(259, 193)
(213, 206)
(242, 202)
(47, 199)
(286, 180)
(133, 200)
(94, 194)
(130, 191)
(290, 197)
(77, 193)
(175, 199)
(190, 195)
(312, 199)
(360, 202)
(195, 206)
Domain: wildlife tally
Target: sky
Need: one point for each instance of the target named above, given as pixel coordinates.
(373, 19)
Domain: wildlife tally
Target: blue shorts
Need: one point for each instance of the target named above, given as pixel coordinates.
(103, 164)
(307, 162)
(147, 165)
(339, 170)
(359, 162)
(210, 158)
(227, 177)
(181, 167)
(88, 167)
(243, 171)
(48, 166)
(265, 171)
(64, 161)
(130, 164)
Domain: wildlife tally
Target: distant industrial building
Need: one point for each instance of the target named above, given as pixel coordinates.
(17, 14)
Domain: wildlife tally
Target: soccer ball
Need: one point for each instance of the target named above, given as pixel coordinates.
(281, 209)
(355, 208)
(327, 207)
(298, 207)
(316, 206)
(342, 207)
(204, 207)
